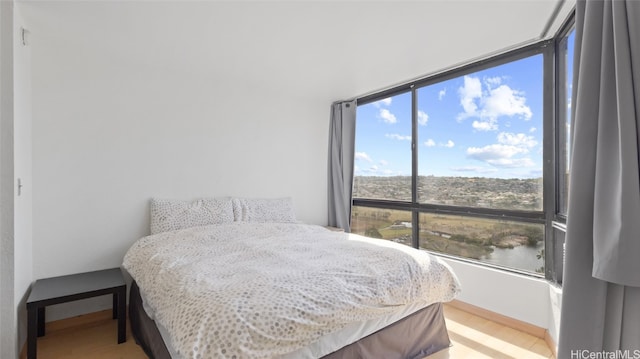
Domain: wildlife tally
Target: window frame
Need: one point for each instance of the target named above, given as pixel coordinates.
(560, 112)
(555, 256)
(549, 215)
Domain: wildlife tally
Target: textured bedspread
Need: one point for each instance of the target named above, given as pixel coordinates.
(260, 290)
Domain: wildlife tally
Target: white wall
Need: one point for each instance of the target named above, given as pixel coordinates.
(555, 309)
(23, 250)
(8, 332)
(109, 133)
(8, 320)
(517, 296)
(16, 250)
(527, 299)
(106, 141)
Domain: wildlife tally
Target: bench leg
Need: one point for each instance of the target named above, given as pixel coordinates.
(114, 307)
(32, 332)
(41, 322)
(122, 315)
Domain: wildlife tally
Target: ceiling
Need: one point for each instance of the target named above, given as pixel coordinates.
(327, 49)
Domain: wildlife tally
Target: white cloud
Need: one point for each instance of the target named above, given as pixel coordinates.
(512, 162)
(430, 143)
(387, 116)
(488, 105)
(493, 81)
(449, 144)
(509, 152)
(363, 156)
(502, 155)
(395, 136)
(442, 93)
(517, 139)
(532, 130)
(423, 118)
(490, 125)
(504, 101)
(494, 152)
(471, 91)
(383, 102)
(477, 169)
(376, 170)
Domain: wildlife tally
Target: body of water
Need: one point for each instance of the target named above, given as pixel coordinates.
(521, 257)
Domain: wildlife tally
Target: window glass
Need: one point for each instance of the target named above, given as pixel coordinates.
(504, 243)
(478, 158)
(480, 138)
(382, 167)
(565, 91)
(387, 224)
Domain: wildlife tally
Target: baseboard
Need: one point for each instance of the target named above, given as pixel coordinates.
(551, 343)
(71, 322)
(528, 328)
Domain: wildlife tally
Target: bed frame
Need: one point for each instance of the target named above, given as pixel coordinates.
(415, 336)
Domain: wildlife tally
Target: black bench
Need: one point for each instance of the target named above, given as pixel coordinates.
(72, 287)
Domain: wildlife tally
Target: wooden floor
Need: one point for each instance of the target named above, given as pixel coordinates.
(474, 337)
(88, 336)
(471, 336)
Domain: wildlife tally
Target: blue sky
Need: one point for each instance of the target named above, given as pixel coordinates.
(484, 124)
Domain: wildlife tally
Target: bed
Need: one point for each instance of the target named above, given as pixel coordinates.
(231, 278)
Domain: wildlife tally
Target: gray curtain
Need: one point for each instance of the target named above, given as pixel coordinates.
(341, 156)
(601, 289)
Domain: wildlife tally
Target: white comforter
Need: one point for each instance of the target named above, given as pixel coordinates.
(252, 290)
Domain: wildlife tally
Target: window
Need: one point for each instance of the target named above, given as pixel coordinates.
(480, 138)
(383, 149)
(564, 80)
(439, 162)
(565, 75)
(472, 163)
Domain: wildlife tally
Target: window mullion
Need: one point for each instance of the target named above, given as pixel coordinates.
(549, 167)
(415, 217)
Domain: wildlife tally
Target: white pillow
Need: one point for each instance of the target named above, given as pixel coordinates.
(170, 215)
(263, 210)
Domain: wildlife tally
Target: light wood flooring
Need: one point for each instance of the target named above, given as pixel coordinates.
(94, 336)
(474, 337)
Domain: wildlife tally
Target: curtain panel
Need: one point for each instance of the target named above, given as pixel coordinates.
(601, 287)
(342, 135)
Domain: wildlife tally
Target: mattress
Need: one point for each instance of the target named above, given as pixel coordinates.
(278, 290)
(417, 335)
